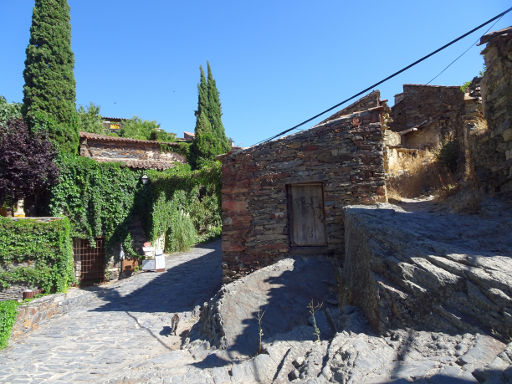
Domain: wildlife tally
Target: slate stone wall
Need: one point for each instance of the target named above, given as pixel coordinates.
(494, 165)
(436, 112)
(345, 155)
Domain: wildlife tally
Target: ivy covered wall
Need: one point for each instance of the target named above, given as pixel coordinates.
(103, 199)
(36, 252)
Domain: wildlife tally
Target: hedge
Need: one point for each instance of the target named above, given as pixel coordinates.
(36, 252)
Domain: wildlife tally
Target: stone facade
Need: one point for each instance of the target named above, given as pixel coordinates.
(427, 116)
(492, 149)
(143, 154)
(342, 157)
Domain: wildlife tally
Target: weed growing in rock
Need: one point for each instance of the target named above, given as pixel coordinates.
(312, 308)
(259, 317)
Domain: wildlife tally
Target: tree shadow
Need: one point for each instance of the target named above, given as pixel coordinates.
(285, 306)
(178, 289)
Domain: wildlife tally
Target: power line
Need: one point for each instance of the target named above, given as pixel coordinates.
(389, 77)
(463, 53)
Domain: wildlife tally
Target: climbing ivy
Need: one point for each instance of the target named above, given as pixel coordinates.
(36, 252)
(102, 199)
(98, 198)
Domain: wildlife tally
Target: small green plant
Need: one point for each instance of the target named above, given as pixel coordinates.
(259, 317)
(8, 313)
(465, 86)
(448, 155)
(182, 234)
(312, 309)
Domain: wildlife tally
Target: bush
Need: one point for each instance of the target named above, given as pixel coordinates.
(26, 161)
(182, 234)
(45, 246)
(8, 313)
(448, 155)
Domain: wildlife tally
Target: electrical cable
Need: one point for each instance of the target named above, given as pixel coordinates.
(463, 53)
(388, 77)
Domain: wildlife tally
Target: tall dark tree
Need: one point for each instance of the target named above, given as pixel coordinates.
(210, 139)
(49, 91)
(215, 112)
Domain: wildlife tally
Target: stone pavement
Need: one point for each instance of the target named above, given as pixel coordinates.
(123, 323)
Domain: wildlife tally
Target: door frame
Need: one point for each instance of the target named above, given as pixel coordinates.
(289, 198)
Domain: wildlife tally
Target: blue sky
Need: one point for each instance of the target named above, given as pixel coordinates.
(276, 63)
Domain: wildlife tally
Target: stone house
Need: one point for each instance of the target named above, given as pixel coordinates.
(113, 124)
(427, 116)
(140, 154)
(287, 196)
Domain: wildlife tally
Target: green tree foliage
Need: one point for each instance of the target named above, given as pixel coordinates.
(139, 129)
(9, 111)
(90, 120)
(210, 138)
(26, 162)
(215, 113)
(49, 91)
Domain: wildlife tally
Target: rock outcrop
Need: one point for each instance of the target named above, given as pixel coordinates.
(430, 271)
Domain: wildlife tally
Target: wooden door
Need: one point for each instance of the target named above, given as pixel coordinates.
(307, 221)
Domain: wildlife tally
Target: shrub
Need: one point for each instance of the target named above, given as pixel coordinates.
(181, 234)
(8, 313)
(26, 161)
(448, 155)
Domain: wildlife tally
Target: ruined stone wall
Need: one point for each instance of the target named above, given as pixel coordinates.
(492, 151)
(434, 111)
(345, 155)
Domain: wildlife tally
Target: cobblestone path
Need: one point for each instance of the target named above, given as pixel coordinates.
(124, 323)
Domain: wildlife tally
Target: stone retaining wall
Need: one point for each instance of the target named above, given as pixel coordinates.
(14, 292)
(344, 155)
(41, 310)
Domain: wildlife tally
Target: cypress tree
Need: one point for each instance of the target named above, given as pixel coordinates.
(215, 112)
(210, 139)
(49, 91)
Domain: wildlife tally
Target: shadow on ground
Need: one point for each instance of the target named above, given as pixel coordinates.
(178, 289)
(282, 297)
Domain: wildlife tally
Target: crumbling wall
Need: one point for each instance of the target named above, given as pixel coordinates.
(427, 115)
(345, 155)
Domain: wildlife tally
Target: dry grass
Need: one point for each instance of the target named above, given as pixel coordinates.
(416, 173)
